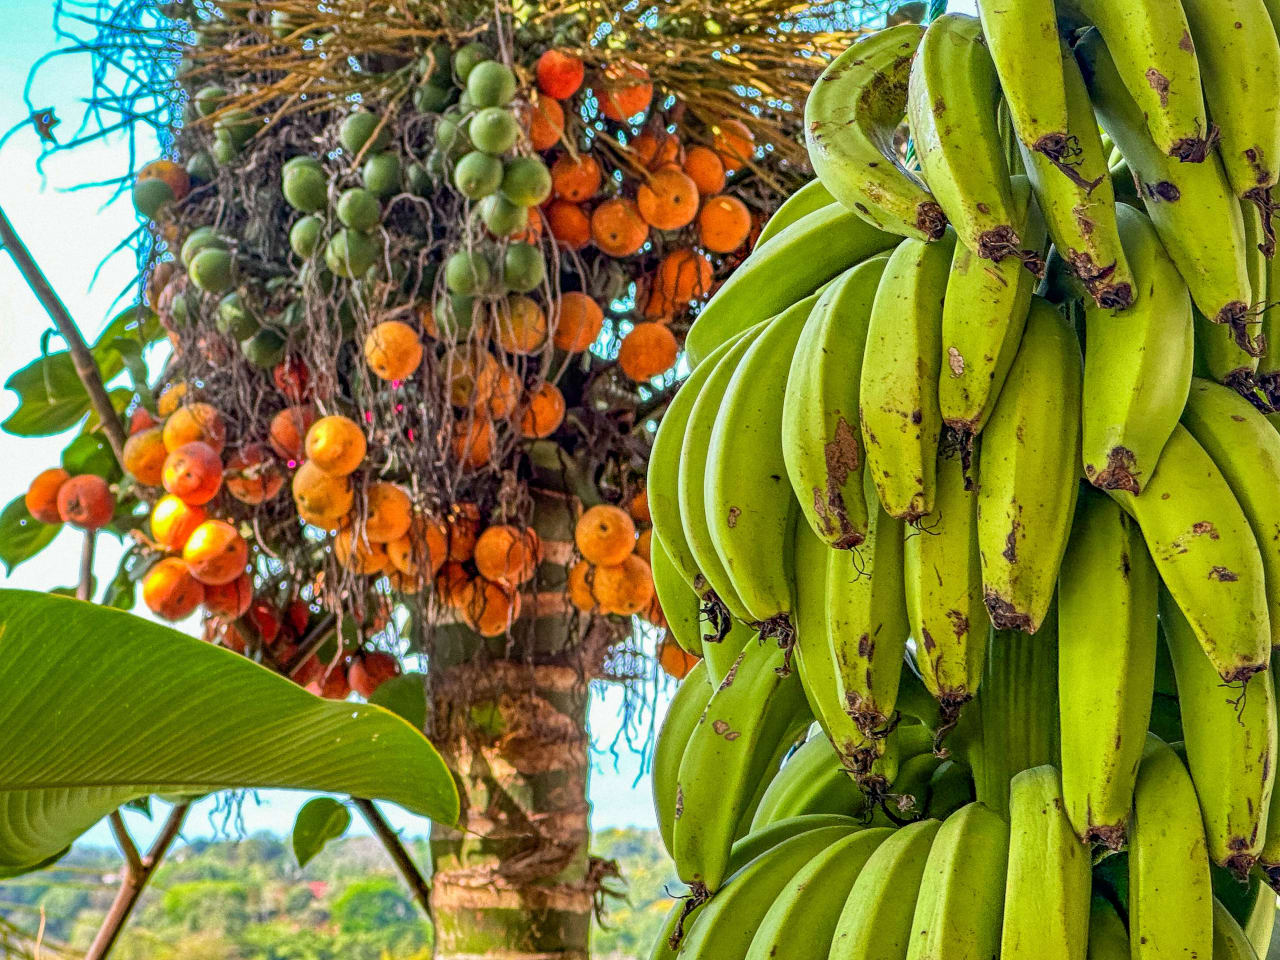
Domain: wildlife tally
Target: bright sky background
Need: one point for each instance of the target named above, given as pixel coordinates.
(69, 233)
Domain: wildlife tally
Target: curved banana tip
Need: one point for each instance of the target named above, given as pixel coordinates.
(1195, 149)
(1240, 864)
(1120, 473)
(930, 220)
(1005, 616)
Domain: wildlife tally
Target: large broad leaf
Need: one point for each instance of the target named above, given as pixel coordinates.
(98, 707)
(52, 399)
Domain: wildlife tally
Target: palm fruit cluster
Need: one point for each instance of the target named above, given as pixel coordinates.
(971, 507)
(435, 295)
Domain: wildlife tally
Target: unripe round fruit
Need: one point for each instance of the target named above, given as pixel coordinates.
(151, 196)
(350, 253)
(302, 160)
(201, 168)
(170, 591)
(359, 209)
(237, 127)
(305, 236)
(467, 57)
(234, 318)
(224, 151)
(491, 84)
(358, 128)
(86, 502)
(305, 188)
(494, 130)
(526, 181)
(42, 496)
(264, 349)
(208, 98)
(501, 217)
(336, 445)
(523, 268)
(429, 98)
(467, 273)
(381, 174)
(477, 175)
(210, 270)
(199, 239)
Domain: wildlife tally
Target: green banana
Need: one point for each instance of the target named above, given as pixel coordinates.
(1259, 921)
(875, 923)
(683, 713)
(812, 196)
(1239, 59)
(748, 500)
(791, 738)
(681, 607)
(1107, 602)
(803, 918)
(1206, 554)
(821, 441)
(725, 925)
(983, 313)
(1022, 36)
(1047, 891)
(1230, 738)
(1221, 358)
(1016, 713)
(1269, 858)
(1246, 448)
(1190, 204)
(663, 479)
(943, 580)
(867, 624)
(792, 265)
(812, 780)
(950, 788)
(952, 95)
(960, 905)
(1229, 941)
(1077, 197)
(1170, 893)
(746, 719)
(814, 662)
(1108, 939)
(693, 469)
(1137, 370)
(1027, 473)
(850, 118)
(721, 653)
(1156, 63)
(898, 390)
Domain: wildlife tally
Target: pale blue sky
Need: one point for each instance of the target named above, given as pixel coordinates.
(69, 233)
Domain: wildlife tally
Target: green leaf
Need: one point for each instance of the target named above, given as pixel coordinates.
(405, 696)
(109, 707)
(22, 536)
(52, 399)
(320, 820)
(90, 453)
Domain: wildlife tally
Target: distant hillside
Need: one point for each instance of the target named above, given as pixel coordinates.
(248, 900)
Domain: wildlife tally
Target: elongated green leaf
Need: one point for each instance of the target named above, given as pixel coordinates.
(22, 536)
(320, 820)
(90, 453)
(108, 707)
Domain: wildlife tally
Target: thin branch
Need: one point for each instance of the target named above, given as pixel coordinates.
(125, 843)
(134, 883)
(84, 588)
(86, 367)
(418, 885)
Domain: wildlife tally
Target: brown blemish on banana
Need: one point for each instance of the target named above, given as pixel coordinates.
(1204, 528)
(1097, 280)
(1160, 84)
(732, 518)
(927, 639)
(1162, 190)
(1223, 575)
(955, 361)
(959, 623)
(1111, 836)
(843, 456)
(1120, 472)
(722, 728)
(1185, 42)
(1004, 615)
(930, 220)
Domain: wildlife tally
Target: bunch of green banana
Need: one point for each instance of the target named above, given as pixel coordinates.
(901, 452)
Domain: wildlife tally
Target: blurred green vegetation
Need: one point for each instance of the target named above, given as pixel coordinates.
(249, 900)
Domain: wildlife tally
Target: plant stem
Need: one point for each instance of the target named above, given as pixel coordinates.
(135, 880)
(86, 367)
(404, 863)
(84, 588)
